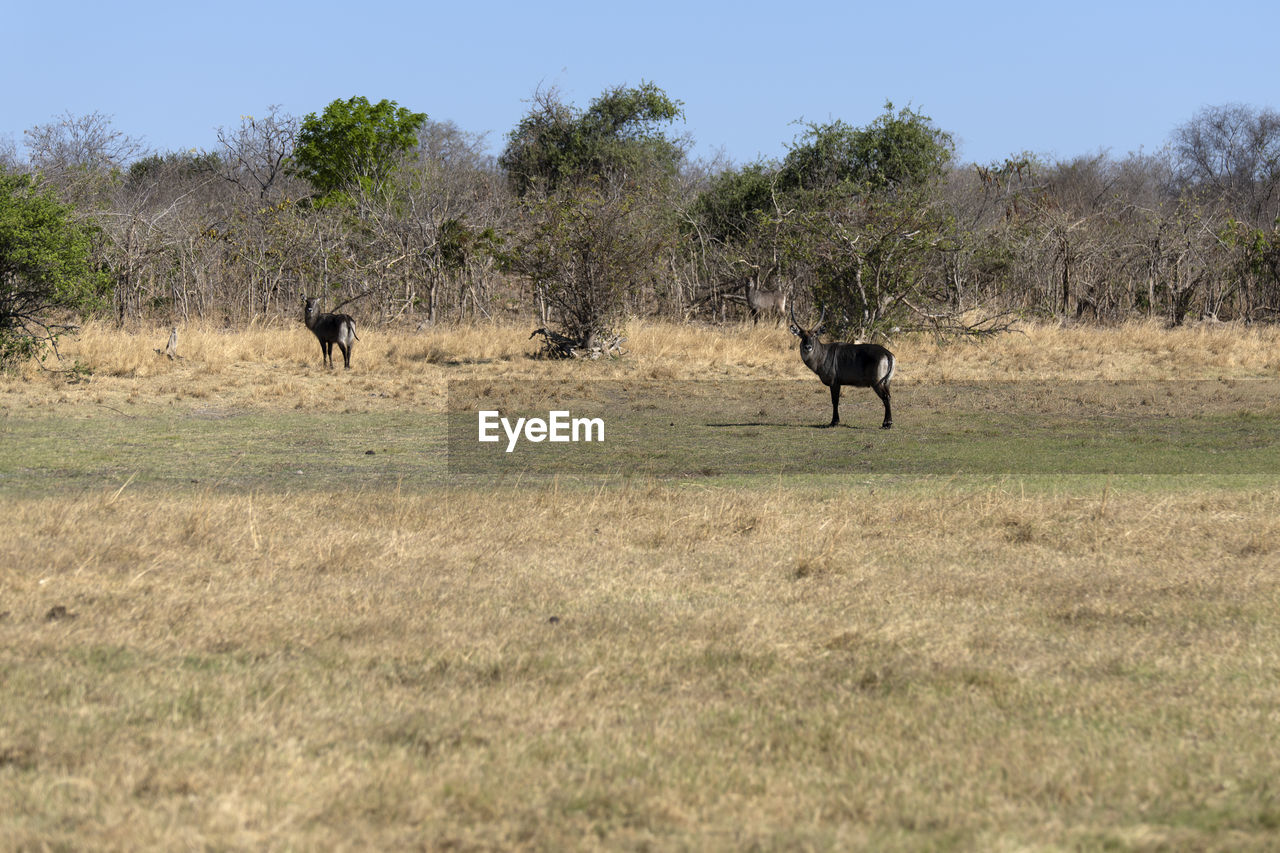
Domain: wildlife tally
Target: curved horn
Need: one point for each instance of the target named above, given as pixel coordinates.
(821, 317)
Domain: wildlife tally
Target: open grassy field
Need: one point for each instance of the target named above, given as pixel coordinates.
(250, 603)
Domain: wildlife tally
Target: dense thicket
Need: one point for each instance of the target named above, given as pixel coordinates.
(45, 267)
(590, 214)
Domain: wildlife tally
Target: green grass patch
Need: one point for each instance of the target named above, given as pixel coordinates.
(737, 430)
(731, 432)
(237, 452)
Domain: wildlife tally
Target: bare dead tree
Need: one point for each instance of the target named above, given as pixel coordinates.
(254, 156)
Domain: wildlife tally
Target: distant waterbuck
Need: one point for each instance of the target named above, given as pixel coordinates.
(855, 365)
(331, 329)
(761, 301)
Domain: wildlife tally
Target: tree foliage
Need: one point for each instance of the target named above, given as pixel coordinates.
(735, 202)
(897, 151)
(86, 143)
(619, 134)
(852, 213)
(353, 146)
(877, 223)
(595, 210)
(45, 268)
(83, 157)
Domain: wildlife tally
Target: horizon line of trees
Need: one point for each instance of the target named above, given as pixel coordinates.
(592, 214)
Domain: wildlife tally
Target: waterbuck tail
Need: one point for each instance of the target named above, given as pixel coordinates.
(884, 371)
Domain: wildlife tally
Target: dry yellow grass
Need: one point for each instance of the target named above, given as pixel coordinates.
(653, 666)
(398, 368)
(881, 665)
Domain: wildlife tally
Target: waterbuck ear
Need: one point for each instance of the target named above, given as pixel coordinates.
(797, 331)
(817, 330)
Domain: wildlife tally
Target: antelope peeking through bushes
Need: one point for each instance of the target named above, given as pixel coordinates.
(855, 365)
(760, 301)
(331, 329)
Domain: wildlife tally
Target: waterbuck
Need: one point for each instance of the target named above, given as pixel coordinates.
(855, 365)
(331, 329)
(763, 301)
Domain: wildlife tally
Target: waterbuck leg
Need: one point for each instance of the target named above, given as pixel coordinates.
(346, 355)
(835, 405)
(883, 391)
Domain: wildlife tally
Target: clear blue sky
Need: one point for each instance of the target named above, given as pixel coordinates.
(1058, 79)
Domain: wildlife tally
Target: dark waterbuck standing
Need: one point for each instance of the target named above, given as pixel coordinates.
(331, 329)
(855, 365)
(760, 301)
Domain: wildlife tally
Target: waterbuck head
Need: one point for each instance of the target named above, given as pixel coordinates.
(808, 337)
(310, 310)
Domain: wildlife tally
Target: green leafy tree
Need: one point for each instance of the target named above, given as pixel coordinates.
(595, 192)
(876, 261)
(46, 269)
(354, 146)
(865, 223)
(619, 134)
(735, 203)
(898, 151)
(851, 213)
